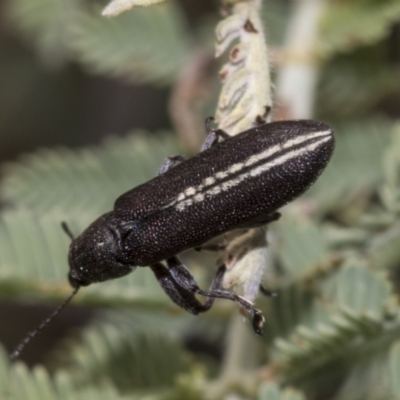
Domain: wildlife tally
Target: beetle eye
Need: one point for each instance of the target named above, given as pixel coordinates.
(75, 283)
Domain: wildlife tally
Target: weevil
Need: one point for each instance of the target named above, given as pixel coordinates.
(239, 182)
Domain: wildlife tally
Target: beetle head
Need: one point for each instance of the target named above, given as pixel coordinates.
(95, 255)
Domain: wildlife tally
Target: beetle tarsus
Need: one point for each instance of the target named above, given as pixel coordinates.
(213, 135)
(170, 162)
(215, 284)
(212, 138)
(179, 285)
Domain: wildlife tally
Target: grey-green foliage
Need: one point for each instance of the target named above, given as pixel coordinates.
(333, 329)
(348, 323)
(150, 44)
(17, 382)
(145, 344)
(335, 296)
(46, 22)
(356, 165)
(272, 392)
(145, 46)
(73, 179)
(357, 74)
(352, 24)
(350, 86)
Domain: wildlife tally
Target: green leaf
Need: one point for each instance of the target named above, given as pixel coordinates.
(20, 383)
(372, 373)
(357, 318)
(350, 87)
(361, 290)
(356, 165)
(349, 24)
(270, 391)
(303, 248)
(46, 23)
(133, 350)
(394, 360)
(292, 306)
(390, 192)
(73, 182)
(367, 379)
(143, 45)
(383, 249)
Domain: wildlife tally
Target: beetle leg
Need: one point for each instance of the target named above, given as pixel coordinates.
(212, 138)
(215, 284)
(170, 162)
(184, 278)
(257, 317)
(179, 294)
(213, 135)
(181, 274)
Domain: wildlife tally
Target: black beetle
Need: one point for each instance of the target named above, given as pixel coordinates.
(240, 182)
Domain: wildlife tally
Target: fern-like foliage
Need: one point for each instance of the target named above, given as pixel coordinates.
(17, 382)
(272, 392)
(356, 165)
(357, 75)
(349, 317)
(350, 87)
(46, 23)
(136, 351)
(89, 179)
(348, 25)
(147, 45)
(335, 296)
(333, 330)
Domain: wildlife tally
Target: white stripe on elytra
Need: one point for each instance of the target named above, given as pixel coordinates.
(252, 173)
(180, 201)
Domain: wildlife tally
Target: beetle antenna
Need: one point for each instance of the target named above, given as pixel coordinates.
(18, 350)
(66, 229)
